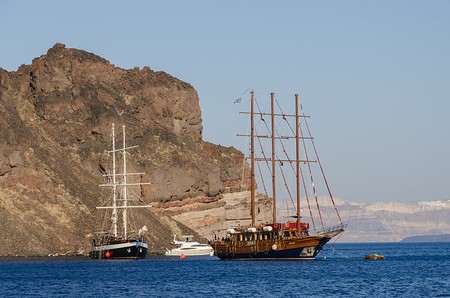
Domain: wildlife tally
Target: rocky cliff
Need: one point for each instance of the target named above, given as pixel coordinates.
(55, 119)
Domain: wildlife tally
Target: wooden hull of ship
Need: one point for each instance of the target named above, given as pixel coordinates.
(301, 248)
(131, 249)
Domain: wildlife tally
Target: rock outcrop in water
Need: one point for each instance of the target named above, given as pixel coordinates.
(55, 119)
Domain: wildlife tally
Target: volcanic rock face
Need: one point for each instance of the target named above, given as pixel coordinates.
(55, 120)
(73, 86)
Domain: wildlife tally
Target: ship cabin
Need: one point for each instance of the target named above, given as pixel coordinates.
(278, 231)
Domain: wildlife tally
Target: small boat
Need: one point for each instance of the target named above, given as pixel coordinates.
(189, 248)
(278, 240)
(116, 240)
(374, 257)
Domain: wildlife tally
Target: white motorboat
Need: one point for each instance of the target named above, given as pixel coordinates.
(189, 248)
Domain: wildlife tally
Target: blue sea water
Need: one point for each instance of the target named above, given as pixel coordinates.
(409, 270)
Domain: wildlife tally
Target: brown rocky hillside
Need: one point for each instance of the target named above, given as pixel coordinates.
(55, 120)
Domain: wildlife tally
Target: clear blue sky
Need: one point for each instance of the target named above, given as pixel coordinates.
(374, 75)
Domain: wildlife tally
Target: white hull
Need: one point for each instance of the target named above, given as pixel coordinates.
(193, 252)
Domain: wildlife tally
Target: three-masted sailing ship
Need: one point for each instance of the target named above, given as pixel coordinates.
(116, 240)
(290, 239)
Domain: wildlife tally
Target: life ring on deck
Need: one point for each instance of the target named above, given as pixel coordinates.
(275, 226)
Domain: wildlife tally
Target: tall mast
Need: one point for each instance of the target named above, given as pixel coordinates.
(124, 187)
(297, 161)
(272, 115)
(252, 159)
(114, 213)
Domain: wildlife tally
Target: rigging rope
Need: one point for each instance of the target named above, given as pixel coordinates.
(277, 158)
(310, 174)
(330, 245)
(263, 183)
(301, 174)
(281, 170)
(307, 199)
(243, 174)
(320, 165)
(263, 153)
(287, 187)
(259, 168)
(285, 153)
